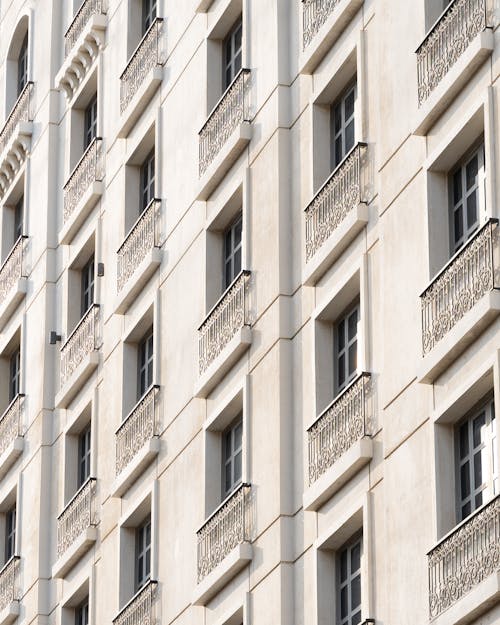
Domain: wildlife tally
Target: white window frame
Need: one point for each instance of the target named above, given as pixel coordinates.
(14, 373)
(343, 352)
(84, 468)
(235, 247)
(147, 181)
(87, 276)
(347, 583)
(149, 13)
(340, 105)
(145, 363)
(230, 455)
(142, 552)
(90, 122)
(230, 61)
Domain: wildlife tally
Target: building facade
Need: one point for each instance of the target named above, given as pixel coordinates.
(249, 312)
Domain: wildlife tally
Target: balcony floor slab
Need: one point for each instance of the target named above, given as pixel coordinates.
(10, 613)
(87, 202)
(11, 454)
(136, 466)
(137, 280)
(12, 300)
(139, 100)
(74, 552)
(77, 379)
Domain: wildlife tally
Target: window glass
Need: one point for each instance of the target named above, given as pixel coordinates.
(84, 456)
(90, 131)
(148, 14)
(147, 181)
(82, 613)
(143, 553)
(145, 364)
(349, 584)
(14, 374)
(18, 219)
(342, 126)
(22, 66)
(232, 53)
(346, 349)
(10, 533)
(232, 251)
(87, 278)
(232, 452)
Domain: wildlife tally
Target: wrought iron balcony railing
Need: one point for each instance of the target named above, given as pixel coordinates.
(228, 315)
(77, 516)
(344, 422)
(142, 238)
(232, 109)
(342, 192)
(225, 529)
(87, 9)
(447, 40)
(11, 423)
(82, 341)
(21, 112)
(12, 268)
(140, 609)
(89, 169)
(140, 426)
(9, 582)
(470, 274)
(148, 54)
(464, 557)
(314, 15)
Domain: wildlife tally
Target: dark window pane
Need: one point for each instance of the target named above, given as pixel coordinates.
(349, 137)
(237, 262)
(472, 211)
(356, 618)
(471, 170)
(237, 64)
(478, 429)
(464, 440)
(353, 357)
(341, 372)
(341, 335)
(478, 470)
(355, 592)
(458, 228)
(237, 467)
(464, 480)
(238, 435)
(466, 510)
(355, 557)
(478, 500)
(457, 186)
(338, 118)
(344, 605)
(228, 480)
(349, 105)
(343, 565)
(352, 325)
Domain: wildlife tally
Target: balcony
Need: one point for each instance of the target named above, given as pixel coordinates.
(9, 591)
(82, 42)
(15, 138)
(451, 53)
(140, 610)
(79, 356)
(224, 544)
(139, 256)
(224, 335)
(336, 215)
(76, 528)
(11, 434)
(137, 441)
(339, 442)
(464, 569)
(13, 280)
(461, 301)
(225, 134)
(323, 21)
(82, 190)
(142, 76)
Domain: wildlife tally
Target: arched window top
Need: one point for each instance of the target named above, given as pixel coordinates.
(22, 65)
(18, 72)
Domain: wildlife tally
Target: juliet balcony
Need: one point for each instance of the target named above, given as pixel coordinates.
(339, 442)
(137, 441)
(138, 256)
(225, 134)
(76, 528)
(140, 610)
(142, 76)
(83, 41)
(79, 356)
(336, 215)
(11, 433)
(464, 568)
(13, 279)
(224, 544)
(451, 53)
(82, 190)
(10, 593)
(460, 302)
(15, 138)
(224, 335)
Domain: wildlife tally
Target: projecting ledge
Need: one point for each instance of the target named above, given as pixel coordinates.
(136, 466)
(82, 210)
(77, 379)
(74, 552)
(12, 300)
(11, 454)
(134, 285)
(10, 613)
(140, 100)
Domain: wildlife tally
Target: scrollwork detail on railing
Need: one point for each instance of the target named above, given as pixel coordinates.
(85, 12)
(11, 422)
(9, 579)
(79, 514)
(140, 609)
(12, 268)
(21, 112)
(314, 15)
(89, 169)
(83, 340)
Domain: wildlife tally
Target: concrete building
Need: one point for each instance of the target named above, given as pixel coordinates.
(249, 312)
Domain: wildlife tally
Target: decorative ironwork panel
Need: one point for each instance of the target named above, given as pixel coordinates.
(225, 319)
(336, 198)
(343, 423)
(464, 558)
(12, 268)
(140, 609)
(21, 112)
(314, 15)
(468, 276)
(140, 426)
(90, 168)
(231, 110)
(447, 41)
(9, 580)
(83, 340)
(227, 528)
(11, 422)
(143, 236)
(148, 54)
(79, 514)
(85, 12)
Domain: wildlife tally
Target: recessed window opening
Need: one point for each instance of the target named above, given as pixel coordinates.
(349, 583)
(82, 613)
(87, 285)
(10, 533)
(232, 252)
(147, 181)
(232, 51)
(22, 66)
(143, 554)
(342, 120)
(84, 441)
(148, 14)
(346, 348)
(232, 453)
(145, 364)
(90, 123)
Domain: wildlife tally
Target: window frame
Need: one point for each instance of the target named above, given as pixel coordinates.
(230, 458)
(230, 61)
(14, 374)
(10, 533)
(82, 612)
(340, 103)
(22, 65)
(338, 353)
(87, 286)
(149, 14)
(147, 177)
(143, 550)
(84, 456)
(352, 543)
(235, 247)
(90, 122)
(145, 363)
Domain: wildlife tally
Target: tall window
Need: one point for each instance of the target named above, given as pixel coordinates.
(232, 451)
(145, 364)
(87, 278)
(148, 14)
(342, 126)
(477, 465)
(10, 533)
(84, 456)
(18, 219)
(346, 348)
(22, 66)
(147, 180)
(14, 374)
(232, 54)
(349, 584)
(232, 251)
(82, 613)
(90, 128)
(143, 554)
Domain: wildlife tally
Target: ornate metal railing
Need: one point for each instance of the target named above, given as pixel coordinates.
(465, 557)
(90, 168)
(9, 581)
(148, 54)
(447, 41)
(77, 516)
(469, 275)
(21, 112)
(232, 109)
(12, 268)
(225, 529)
(140, 426)
(84, 13)
(140, 609)
(314, 15)
(337, 197)
(228, 315)
(344, 422)
(143, 236)
(11, 423)
(83, 340)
